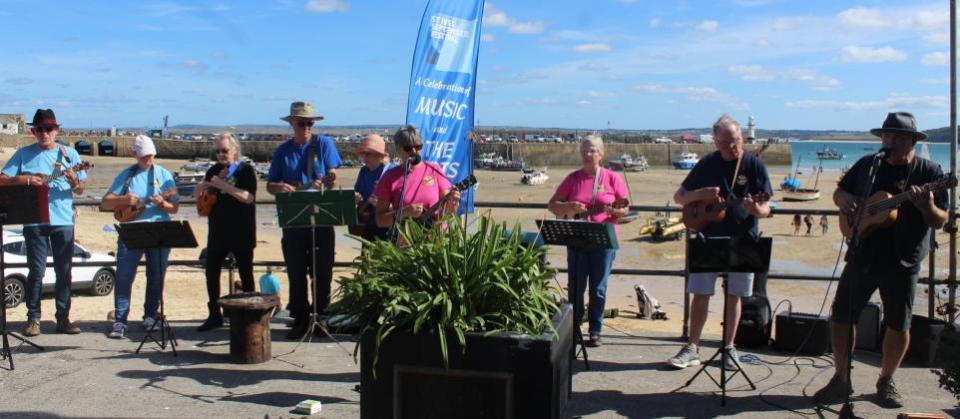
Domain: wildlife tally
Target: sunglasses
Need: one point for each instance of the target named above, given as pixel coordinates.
(305, 124)
(48, 128)
(222, 150)
(410, 148)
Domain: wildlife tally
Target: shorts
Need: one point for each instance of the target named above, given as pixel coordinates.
(738, 283)
(897, 286)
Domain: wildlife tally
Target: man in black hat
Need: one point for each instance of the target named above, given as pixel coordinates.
(889, 257)
(31, 165)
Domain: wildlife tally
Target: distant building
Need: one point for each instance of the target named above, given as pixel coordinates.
(687, 138)
(12, 124)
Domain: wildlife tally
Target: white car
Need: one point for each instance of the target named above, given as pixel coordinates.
(95, 279)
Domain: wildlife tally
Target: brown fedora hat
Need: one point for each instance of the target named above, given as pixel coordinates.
(302, 110)
(900, 123)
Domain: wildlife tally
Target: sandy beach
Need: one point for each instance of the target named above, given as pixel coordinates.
(186, 296)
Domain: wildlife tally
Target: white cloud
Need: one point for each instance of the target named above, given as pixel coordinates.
(862, 17)
(592, 67)
(597, 94)
(936, 58)
(752, 3)
(783, 24)
(627, 1)
(651, 88)
(219, 54)
(751, 72)
(487, 38)
(327, 6)
(708, 26)
(592, 48)
(655, 23)
(945, 80)
(492, 16)
(801, 74)
(195, 66)
(891, 103)
(938, 38)
(857, 54)
(931, 20)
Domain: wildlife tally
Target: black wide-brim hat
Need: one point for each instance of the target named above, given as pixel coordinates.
(45, 118)
(900, 123)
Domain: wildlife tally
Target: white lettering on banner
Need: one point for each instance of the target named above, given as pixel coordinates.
(440, 150)
(443, 108)
(448, 28)
(439, 85)
(451, 169)
(441, 130)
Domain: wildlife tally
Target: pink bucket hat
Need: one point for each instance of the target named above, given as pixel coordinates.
(373, 143)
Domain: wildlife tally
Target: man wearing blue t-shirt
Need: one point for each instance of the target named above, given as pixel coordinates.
(732, 174)
(152, 188)
(305, 162)
(32, 165)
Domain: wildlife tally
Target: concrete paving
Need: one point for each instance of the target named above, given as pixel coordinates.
(91, 375)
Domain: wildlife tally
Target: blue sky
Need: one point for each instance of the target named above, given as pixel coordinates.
(639, 64)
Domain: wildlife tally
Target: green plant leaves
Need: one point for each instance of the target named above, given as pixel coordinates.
(451, 282)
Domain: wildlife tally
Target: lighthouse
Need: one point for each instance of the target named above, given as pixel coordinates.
(751, 135)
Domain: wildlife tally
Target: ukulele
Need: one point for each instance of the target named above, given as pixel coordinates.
(882, 211)
(208, 198)
(126, 213)
(461, 186)
(698, 215)
(617, 204)
(58, 173)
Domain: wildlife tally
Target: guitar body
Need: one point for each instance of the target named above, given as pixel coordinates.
(698, 215)
(127, 213)
(871, 220)
(205, 202)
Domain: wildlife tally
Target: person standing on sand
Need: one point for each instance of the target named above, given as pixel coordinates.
(824, 223)
(305, 162)
(731, 173)
(28, 166)
(797, 222)
(887, 259)
(808, 220)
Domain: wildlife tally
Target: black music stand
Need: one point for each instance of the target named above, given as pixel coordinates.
(155, 235)
(724, 255)
(312, 209)
(578, 235)
(19, 204)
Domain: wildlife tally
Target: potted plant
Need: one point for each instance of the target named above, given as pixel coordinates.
(459, 324)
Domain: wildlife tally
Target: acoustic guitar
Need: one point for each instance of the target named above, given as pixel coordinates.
(881, 210)
(698, 215)
(58, 173)
(126, 213)
(365, 212)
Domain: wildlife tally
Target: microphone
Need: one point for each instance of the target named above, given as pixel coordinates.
(883, 153)
(414, 159)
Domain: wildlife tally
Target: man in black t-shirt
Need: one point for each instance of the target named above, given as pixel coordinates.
(714, 176)
(888, 258)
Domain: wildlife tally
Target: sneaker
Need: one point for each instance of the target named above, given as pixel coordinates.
(150, 324)
(32, 329)
(594, 341)
(118, 331)
(834, 392)
(66, 327)
(687, 357)
(887, 394)
(732, 359)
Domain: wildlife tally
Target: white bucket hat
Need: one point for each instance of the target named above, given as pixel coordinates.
(143, 146)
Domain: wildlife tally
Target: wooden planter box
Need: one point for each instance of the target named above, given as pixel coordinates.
(499, 376)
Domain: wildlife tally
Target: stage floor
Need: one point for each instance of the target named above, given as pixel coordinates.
(91, 375)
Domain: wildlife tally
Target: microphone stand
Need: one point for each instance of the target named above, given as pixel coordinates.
(853, 250)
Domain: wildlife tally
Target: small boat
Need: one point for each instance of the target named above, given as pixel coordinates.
(801, 194)
(502, 165)
(627, 163)
(794, 191)
(685, 161)
(189, 176)
(534, 177)
(484, 160)
(827, 153)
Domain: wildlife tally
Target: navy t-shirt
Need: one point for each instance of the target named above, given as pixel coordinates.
(366, 182)
(713, 170)
(907, 240)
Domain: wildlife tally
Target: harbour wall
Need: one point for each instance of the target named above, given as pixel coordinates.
(533, 154)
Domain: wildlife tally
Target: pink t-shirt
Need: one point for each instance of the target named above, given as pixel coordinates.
(425, 183)
(578, 187)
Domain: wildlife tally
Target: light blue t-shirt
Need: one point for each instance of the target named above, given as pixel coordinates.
(33, 159)
(269, 284)
(144, 184)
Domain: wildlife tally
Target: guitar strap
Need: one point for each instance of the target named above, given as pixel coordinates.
(596, 187)
(311, 157)
(736, 172)
(130, 174)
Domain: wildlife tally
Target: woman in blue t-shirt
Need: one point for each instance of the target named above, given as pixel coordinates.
(373, 153)
(148, 187)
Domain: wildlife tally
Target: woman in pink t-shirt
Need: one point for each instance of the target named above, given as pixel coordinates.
(594, 194)
(424, 187)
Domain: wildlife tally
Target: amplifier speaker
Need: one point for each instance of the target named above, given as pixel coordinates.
(869, 332)
(796, 329)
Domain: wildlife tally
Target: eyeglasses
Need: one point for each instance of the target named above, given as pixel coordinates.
(410, 148)
(222, 150)
(305, 124)
(48, 128)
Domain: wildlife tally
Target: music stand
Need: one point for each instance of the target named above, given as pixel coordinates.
(19, 204)
(155, 235)
(578, 235)
(724, 255)
(312, 209)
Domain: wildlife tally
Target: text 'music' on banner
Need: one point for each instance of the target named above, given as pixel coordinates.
(443, 80)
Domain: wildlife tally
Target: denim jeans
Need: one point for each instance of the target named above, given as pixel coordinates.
(127, 260)
(593, 267)
(41, 241)
(300, 260)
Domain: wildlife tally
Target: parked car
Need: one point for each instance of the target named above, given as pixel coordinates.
(93, 279)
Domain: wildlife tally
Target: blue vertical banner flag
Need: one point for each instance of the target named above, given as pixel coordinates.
(443, 82)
